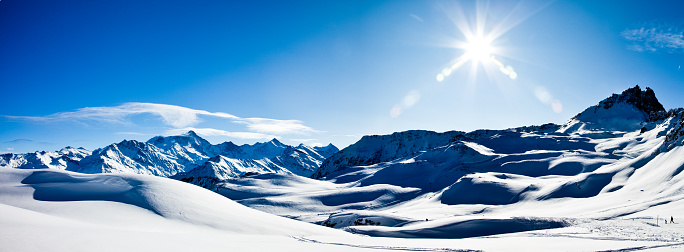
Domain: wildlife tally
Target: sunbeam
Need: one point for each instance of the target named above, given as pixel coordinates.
(480, 40)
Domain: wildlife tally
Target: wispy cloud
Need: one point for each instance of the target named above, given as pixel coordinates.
(416, 17)
(177, 117)
(130, 133)
(273, 126)
(656, 37)
(309, 142)
(217, 132)
(19, 141)
(25, 141)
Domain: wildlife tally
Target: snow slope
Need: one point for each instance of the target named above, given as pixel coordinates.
(55, 210)
(80, 207)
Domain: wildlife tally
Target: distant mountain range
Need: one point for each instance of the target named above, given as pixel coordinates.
(186, 156)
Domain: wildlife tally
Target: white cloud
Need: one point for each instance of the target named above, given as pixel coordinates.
(416, 17)
(130, 133)
(273, 126)
(309, 142)
(217, 132)
(177, 117)
(655, 37)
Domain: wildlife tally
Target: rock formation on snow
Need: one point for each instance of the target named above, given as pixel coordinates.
(627, 111)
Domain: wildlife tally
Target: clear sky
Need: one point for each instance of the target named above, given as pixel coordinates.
(91, 73)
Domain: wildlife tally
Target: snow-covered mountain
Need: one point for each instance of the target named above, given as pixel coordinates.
(188, 154)
(189, 149)
(375, 149)
(65, 158)
(130, 156)
(260, 158)
(627, 111)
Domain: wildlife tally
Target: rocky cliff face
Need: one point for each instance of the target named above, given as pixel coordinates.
(645, 100)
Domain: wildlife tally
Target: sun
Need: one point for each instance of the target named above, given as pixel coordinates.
(479, 40)
(478, 49)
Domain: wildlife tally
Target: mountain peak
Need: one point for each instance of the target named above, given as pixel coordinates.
(191, 133)
(275, 142)
(645, 100)
(627, 111)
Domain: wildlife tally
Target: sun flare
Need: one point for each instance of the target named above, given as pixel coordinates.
(478, 49)
(478, 43)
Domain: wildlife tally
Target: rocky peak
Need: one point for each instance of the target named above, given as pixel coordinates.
(277, 143)
(628, 111)
(645, 100)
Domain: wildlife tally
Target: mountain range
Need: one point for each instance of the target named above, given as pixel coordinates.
(611, 169)
(184, 156)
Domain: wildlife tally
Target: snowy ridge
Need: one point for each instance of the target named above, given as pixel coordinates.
(65, 158)
(171, 155)
(375, 149)
(221, 168)
(189, 149)
(130, 156)
(275, 157)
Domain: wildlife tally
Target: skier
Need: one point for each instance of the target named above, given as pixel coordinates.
(671, 220)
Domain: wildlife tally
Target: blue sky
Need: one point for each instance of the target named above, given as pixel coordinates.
(91, 73)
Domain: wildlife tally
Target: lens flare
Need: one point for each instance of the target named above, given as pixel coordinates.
(557, 106)
(507, 70)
